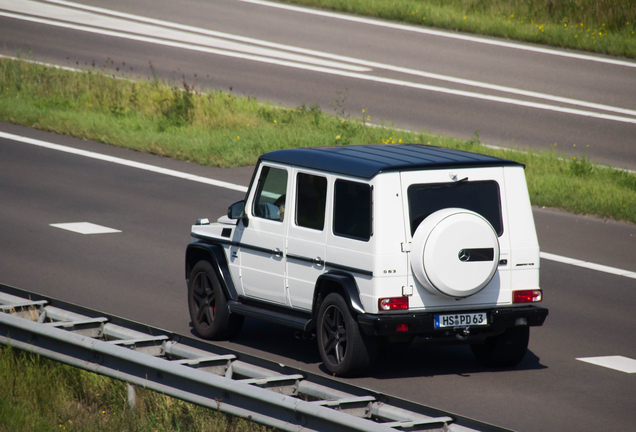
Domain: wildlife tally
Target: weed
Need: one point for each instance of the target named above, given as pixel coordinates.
(43, 395)
(581, 167)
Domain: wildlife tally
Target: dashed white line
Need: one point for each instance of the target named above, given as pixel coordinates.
(619, 363)
(85, 228)
(226, 185)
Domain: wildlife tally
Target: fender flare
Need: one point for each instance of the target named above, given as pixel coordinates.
(215, 255)
(349, 289)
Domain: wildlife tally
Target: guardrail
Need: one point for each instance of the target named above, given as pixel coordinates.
(206, 374)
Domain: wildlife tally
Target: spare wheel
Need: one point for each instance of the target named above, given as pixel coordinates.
(455, 252)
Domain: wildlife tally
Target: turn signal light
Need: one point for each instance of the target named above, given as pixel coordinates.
(527, 296)
(393, 303)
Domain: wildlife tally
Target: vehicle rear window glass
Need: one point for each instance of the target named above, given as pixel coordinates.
(269, 202)
(311, 197)
(352, 210)
(482, 197)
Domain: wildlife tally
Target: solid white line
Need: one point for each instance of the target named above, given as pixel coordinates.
(161, 36)
(588, 265)
(125, 162)
(218, 183)
(198, 47)
(441, 33)
(619, 363)
(346, 59)
(335, 71)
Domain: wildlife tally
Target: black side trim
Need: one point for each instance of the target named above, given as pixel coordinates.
(242, 245)
(422, 323)
(349, 269)
(294, 319)
(305, 259)
(213, 240)
(216, 255)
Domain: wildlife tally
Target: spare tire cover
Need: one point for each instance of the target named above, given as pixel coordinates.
(455, 252)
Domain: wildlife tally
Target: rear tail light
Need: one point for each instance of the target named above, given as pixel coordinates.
(527, 296)
(393, 303)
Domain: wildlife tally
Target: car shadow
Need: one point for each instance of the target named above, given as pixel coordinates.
(399, 361)
(394, 361)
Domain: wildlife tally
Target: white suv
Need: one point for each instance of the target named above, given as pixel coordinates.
(362, 245)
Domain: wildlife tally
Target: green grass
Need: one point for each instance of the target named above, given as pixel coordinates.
(601, 26)
(38, 394)
(222, 130)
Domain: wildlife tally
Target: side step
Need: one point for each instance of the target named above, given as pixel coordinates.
(299, 322)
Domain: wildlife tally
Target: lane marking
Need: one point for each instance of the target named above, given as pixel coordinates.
(368, 124)
(440, 33)
(226, 185)
(172, 43)
(90, 22)
(619, 363)
(125, 162)
(85, 228)
(588, 265)
(369, 64)
(325, 70)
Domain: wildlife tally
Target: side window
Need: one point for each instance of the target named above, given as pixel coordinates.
(352, 210)
(310, 201)
(269, 202)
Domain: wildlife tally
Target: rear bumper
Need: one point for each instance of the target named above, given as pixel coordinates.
(423, 324)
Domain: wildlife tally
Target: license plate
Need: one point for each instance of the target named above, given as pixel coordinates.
(461, 320)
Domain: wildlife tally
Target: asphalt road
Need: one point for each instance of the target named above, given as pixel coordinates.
(512, 94)
(138, 273)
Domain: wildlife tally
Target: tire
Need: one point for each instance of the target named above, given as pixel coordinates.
(504, 350)
(207, 303)
(343, 349)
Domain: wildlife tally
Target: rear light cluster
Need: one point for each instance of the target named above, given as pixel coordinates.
(393, 303)
(527, 296)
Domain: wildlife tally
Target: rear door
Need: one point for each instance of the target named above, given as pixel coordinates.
(481, 190)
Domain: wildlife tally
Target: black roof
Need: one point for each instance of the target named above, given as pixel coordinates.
(366, 161)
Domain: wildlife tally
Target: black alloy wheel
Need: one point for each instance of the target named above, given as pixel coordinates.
(343, 349)
(209, 313)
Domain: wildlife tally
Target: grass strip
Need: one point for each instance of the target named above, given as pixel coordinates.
(41, 395)
(219, 129)
(600, 26)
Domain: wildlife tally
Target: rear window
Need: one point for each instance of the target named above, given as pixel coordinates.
(482, 197)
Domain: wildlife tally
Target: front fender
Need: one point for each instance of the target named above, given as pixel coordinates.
(215, 254)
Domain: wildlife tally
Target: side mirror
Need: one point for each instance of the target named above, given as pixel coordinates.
(237, 211)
